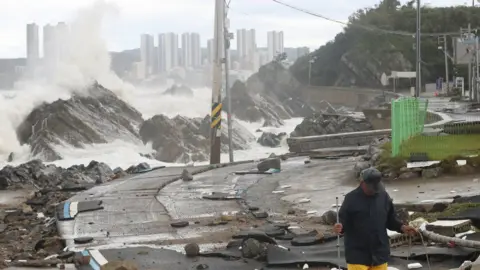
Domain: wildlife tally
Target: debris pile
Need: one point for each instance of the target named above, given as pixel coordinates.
(28, 230)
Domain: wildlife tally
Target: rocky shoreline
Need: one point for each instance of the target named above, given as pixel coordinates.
(28, 231)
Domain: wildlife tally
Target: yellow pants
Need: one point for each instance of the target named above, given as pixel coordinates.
(364, 267)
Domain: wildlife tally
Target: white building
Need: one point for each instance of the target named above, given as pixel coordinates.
(274, 44)
(246, 47)
(33, 45)
(147, 53)
(186, 50)
(191, 50)
(167, 52)
(196, 50)
(49, 43)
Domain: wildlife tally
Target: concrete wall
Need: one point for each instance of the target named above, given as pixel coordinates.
(349, 97)
(382, 118)
(303, 144)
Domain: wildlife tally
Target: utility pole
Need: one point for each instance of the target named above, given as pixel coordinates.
(470, 84)
(477, 71)
(216, 114)
(419, 60)
(444, 46)
(226, 41)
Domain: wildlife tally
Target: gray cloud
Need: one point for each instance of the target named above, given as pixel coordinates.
(157, 16)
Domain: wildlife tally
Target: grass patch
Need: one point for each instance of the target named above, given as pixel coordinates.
(451, 210)
(442, 147)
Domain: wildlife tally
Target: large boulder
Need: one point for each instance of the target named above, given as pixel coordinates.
(271, 94)
(182, 139)
(98, 116)
(270, 139)
(321, 124)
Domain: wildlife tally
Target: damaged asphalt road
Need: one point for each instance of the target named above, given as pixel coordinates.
(135, 220)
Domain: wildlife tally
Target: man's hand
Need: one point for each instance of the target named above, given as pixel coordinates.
(337, 228)
(406, 229)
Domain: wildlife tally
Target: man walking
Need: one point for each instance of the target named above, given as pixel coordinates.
(365, 215)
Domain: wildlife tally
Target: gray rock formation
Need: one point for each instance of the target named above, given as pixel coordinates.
(271, 139)
(270, 94)
(37, 174)
(321, 124)
(179, 90)
(181, 139)
(97, 117)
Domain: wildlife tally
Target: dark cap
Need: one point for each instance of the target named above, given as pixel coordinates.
(372, 178)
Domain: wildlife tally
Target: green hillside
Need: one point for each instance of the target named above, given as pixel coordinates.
(358, 56)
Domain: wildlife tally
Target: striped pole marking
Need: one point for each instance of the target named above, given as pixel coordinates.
(216, 115)
(96, 258)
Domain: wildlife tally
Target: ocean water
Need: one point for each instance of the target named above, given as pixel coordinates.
(121, 153)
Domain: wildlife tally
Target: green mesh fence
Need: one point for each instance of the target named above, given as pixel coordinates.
(458, 137)
(408, 119)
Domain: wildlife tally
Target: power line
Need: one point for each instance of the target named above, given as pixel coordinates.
(366, 27)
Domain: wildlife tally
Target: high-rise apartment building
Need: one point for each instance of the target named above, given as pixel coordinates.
(186, 50)
(147, 54)
(274, 44)
(167, 52)
(33, 45)
(191, 50)
(196, 50)
(49, 42)
(246, 47)
(62, 39)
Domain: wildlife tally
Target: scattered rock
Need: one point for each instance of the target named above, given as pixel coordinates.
(431, 172)
(269, 139)
(269, 163)
(329, 217)
(186, 175)
(202, 266)
(252, 248)
(179, 224)
(260, 215)
(192, 250)
(83, 240)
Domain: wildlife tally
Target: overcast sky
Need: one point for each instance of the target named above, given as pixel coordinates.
(122, 31)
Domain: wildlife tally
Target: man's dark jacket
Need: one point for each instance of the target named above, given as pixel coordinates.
(365, 221)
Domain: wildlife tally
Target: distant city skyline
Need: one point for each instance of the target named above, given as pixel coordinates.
(162, 53)
(121, 29)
